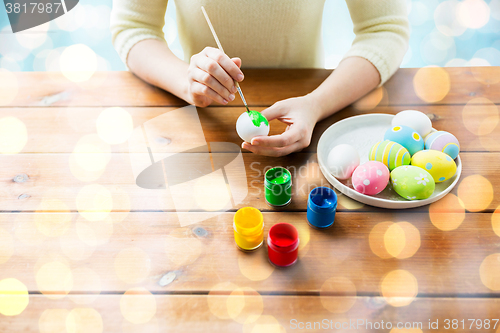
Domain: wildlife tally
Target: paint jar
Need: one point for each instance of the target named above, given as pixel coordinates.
(283, 244)
(248, 225)
(321, 207)
(278, 187)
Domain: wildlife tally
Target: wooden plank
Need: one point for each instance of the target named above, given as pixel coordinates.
(201, 313)
(262, 87)
(29, 178)
(154, 251)
(57, 130)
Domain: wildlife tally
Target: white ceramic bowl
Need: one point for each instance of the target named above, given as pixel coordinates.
(362, 132)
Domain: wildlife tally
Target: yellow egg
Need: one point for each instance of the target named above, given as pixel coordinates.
(438, 164)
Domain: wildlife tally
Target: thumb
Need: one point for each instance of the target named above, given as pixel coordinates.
(273, 112)
(237, 62)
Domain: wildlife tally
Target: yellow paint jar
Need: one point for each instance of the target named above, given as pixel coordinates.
(248, 225)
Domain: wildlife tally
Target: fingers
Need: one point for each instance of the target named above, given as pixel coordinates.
(199, 89)
(283, 140)
(206, 79)
(225, 63)
(237, 62)
(274, 111)
(273, 151)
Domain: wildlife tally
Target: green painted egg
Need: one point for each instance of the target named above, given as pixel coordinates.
(412, 183)
(440, 165)
(390, 153)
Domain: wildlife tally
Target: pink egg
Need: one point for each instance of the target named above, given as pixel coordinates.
(370, 178)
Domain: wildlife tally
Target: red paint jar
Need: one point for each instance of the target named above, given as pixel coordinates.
(283, 244)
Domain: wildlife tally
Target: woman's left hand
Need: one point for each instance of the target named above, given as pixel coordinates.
(300, 114)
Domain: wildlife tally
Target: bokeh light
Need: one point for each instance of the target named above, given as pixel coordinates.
(34, 37)
(348, 203)
(114, 125)
(84, 320)
(138, 305)
(27, 231)
(402, 240)
(473, 14)
(13, 134)
(9, 87)
(53, 321)
(73, 247)
(338, 294)
(14, 297)
(52, 217)
(255, 266)
(88, 285)
(376, 239)
(217, 299)
(182, 250)
(448, 213)
(211, 192)
(445, 17)
(431, 83)
(78, 62)
(489, 271)
(265, 324)
(399, 288)
(480, 116)
(54, 279)
(6, 246)
(476, 193)
(245, 305)
(94, 202)
(495, 221)
(370, 100)
(94, 233)
(132, 265)
(89, 158)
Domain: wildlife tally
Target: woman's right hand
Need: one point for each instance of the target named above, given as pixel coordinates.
(211, 75)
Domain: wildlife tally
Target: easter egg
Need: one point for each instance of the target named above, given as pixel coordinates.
(412, 182)
(405, 136)
(370, 178)
(440, 165)
(413, 119)
(392, 154)
(342, 160)
(251, 124)
(443, 141)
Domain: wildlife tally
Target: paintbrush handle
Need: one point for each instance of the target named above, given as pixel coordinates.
(220, 48)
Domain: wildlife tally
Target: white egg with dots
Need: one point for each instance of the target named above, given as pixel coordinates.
(413, 119)
(252, 124)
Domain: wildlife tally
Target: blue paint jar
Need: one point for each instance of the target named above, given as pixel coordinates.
(321, 207)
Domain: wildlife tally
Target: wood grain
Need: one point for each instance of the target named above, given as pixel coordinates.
(28, 178)
(262, 87)
(193, 314)
(57, 130)
(139, 249)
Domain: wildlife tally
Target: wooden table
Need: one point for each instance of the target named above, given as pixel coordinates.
(97, 253)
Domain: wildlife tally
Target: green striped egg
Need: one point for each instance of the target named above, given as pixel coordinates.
(390, 153)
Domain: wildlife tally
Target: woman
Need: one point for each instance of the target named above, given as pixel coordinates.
(264, 33)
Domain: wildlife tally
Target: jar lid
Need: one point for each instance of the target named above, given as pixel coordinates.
(323, 199)
(248, 221)
(277, 176)
(283, 237)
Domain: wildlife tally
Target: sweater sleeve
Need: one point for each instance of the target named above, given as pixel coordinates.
(382, 33)
(135, 20)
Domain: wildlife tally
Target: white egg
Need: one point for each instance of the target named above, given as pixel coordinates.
(246, 128)
(413, 119)
(342, 160)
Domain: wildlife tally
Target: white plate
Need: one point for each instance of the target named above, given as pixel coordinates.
(362, 132)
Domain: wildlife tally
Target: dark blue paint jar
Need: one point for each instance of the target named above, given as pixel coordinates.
(321, 207)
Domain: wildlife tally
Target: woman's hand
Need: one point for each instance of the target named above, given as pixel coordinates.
(301, 115)
(211, 76)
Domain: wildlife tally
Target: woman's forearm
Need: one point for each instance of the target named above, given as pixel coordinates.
(152, 61)
(352, 79)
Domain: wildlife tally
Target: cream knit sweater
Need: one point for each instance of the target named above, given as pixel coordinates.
(267, 33)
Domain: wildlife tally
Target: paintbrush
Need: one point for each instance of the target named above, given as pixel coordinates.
(220, 48)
